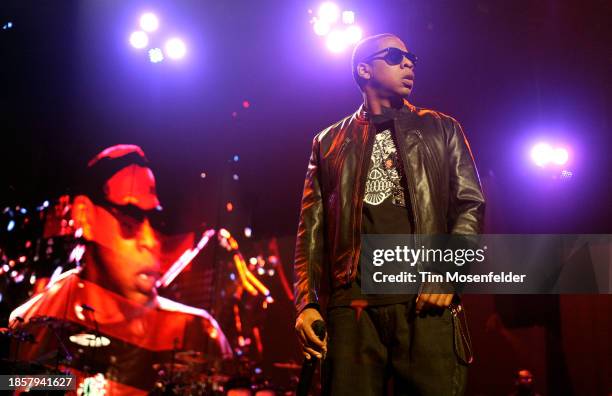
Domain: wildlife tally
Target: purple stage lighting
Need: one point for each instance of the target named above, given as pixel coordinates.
(353, 34)
(320, 27)
(348, 17)
(139, 39)
(560, 156)
(149, 22)
(338, 27)
(541, 154)
(336, 41)
(147, 38)
(544, 154)
(175, 48)
(156, 55)
(329, 12)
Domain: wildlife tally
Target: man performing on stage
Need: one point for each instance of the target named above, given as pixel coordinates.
(113, 296)
(389, 168)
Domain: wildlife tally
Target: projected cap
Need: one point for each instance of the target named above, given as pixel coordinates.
(120, 175)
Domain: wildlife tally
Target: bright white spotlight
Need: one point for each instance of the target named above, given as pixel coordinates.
(353, 34)
(320, 27)
(560, 156)
(156, 55)
(348, 17)
(175, 48)
(336, 41)
(541, 154)
(149, 22)
(139, 39)
(329, 12)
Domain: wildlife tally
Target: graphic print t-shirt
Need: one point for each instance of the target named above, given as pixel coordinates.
(386, 210)
(385, 202)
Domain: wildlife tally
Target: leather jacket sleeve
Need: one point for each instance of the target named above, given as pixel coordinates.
(309, 250)
(467, 202)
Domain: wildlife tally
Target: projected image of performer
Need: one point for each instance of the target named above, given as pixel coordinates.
(105, 318)
(389, 168)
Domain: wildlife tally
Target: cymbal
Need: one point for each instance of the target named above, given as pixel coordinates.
(288, 365)
(175, 368)
(191, 357)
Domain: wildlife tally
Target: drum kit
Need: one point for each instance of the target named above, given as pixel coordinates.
(186, 373)
(194, 373)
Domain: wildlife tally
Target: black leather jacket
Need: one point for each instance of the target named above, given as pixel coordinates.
(443, 186)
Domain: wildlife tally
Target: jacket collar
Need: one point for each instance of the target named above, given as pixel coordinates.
(362, 114)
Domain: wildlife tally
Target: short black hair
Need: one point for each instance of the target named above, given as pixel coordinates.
(364, 49)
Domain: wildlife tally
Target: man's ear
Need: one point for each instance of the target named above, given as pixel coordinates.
(364, 70)
(83, 215)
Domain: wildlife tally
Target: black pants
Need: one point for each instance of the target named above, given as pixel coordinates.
(390, 344)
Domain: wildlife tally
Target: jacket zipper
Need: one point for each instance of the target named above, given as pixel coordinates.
(363, 169)
(409, 179)
(411, 184)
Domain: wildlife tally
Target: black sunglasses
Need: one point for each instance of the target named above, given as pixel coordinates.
(131, 215)
(394, 56)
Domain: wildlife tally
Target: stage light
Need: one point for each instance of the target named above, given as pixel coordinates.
(329, 12)
(336, 41)
(321, 28)
(156, 55)
(149, 22)
(175, 48)
(544, 154)
(541, 154)
(353, 34)
(10, 226)
(139, 39)
(348, 17)
(560, 156)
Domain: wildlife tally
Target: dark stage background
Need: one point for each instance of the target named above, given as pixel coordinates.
(510, 72)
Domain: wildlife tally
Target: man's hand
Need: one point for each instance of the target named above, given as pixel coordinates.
(433, 296)
(311, 345)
